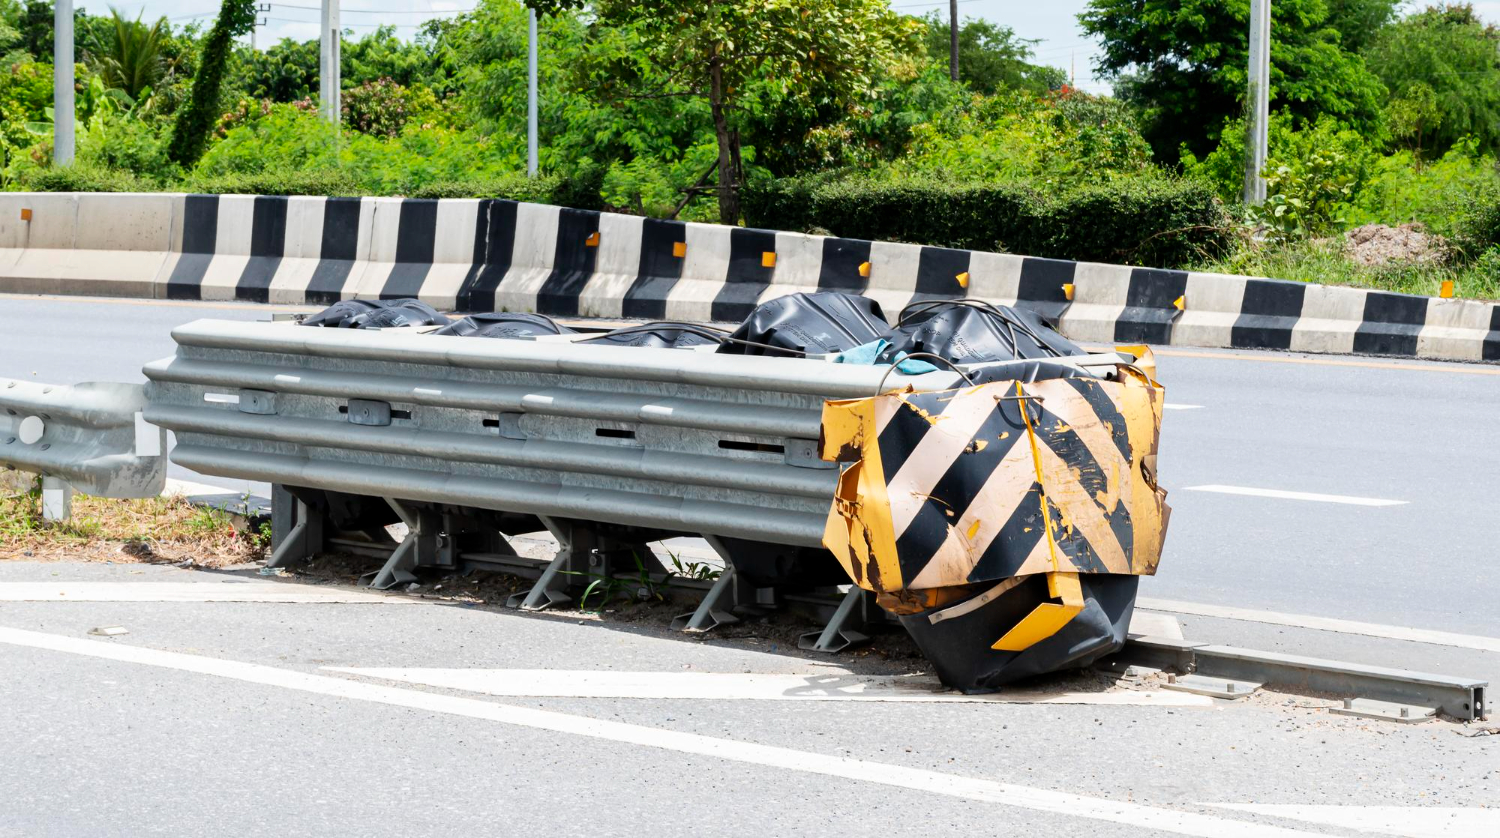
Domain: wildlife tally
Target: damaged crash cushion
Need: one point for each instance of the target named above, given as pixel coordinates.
(946, 495)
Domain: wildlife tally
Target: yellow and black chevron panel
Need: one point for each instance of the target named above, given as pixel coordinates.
(1001, 480)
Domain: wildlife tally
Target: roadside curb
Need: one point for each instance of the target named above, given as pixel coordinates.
(481, 255)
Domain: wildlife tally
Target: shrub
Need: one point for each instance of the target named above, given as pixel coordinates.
(278, 181)
(515, 187)
(80, 177)
(1479, 228)
(377, 107)
(1150, 221)
(1404, 189)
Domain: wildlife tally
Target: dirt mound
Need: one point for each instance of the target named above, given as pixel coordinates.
(1381, 244)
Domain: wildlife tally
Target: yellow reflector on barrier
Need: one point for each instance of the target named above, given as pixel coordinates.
(1180, 303)
(592, 240)
(768, 259)
(963, 279)
(1068, 291)
(864, 269)
(679, 249)
(1446, 293)
(26, 214)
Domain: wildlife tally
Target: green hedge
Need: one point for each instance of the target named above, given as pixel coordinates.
(1156, 222)
(80, 177)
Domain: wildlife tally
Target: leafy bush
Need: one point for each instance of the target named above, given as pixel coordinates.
(377, 107)
(278, 181)
(1149, 221)
(1478, 230)
(1402, 188)
(79, 177)
(516, 187)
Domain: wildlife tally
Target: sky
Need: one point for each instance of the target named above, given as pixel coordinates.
(1053, 24)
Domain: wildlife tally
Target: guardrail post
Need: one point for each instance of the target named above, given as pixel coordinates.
(297, 529)
(57, 500)
(839, 634)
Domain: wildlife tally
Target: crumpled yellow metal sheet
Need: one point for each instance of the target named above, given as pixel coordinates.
(997, 481)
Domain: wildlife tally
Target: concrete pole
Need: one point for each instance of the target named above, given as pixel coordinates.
(953, 39)
(328, 62)
(1258, 102)
(62, 83)
(531, 153)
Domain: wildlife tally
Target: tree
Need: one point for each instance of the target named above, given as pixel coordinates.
(196, 119)
(1184, 63)
(991, 57)
(1449, 51)
(1359, 21)
(130, 57)
(714, 49)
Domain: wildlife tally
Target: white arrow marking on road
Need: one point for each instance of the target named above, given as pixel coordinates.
(1406, 821)
(187, 592)
(823, 686)
(1174, 406)
(1062, 803)
(1283, 495)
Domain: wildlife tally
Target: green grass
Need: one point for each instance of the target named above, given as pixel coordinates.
(1323, 262)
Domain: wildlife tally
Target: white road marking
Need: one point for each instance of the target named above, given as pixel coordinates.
(186, 488)
(1278, 493)
(187, 592)
(769, 756)
(1175, 406)
(836, 686)
(1406, 821)
(1276, 618)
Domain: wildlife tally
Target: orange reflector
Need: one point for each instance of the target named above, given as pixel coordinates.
(1180, 303)
(768, 259)
(864, 269)
(1068, 291)
(593, 239)
(963, 279)
(679, 249)
(26, 214)
(1446, 293)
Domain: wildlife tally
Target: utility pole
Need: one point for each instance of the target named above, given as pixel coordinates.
(258, 23)
(1258, 102)
(531, 161)
(328, 62)
(953, 39)
(62, 83)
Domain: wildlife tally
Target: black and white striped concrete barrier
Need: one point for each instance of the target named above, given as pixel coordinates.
(487, 255)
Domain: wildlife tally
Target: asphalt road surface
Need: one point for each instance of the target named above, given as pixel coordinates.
(1341, 507)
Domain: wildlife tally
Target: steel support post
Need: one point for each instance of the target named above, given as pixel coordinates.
(839, 634)
(297, 530)
(57, 500)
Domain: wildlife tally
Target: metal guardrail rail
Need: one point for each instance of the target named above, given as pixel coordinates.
(87, 437)
(670, 439)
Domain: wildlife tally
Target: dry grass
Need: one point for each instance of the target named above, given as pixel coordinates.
(158, 530)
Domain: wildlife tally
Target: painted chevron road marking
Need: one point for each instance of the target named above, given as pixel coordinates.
(1280, 494)
(1143, 816)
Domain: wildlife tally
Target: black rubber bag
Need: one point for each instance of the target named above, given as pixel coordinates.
(971, 332)
(664, 335)
(1096, 631)
(803, 324)
(376, 314)
(505, 325)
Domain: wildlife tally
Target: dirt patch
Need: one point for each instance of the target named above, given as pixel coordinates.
(1375, 245)
(165, 530)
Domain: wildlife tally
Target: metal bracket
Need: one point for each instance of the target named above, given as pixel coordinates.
(550, 590)
(710, 615)
(1226, 688)
(1388, 711)
(422, 546)
(837, 636)
(305, 538)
